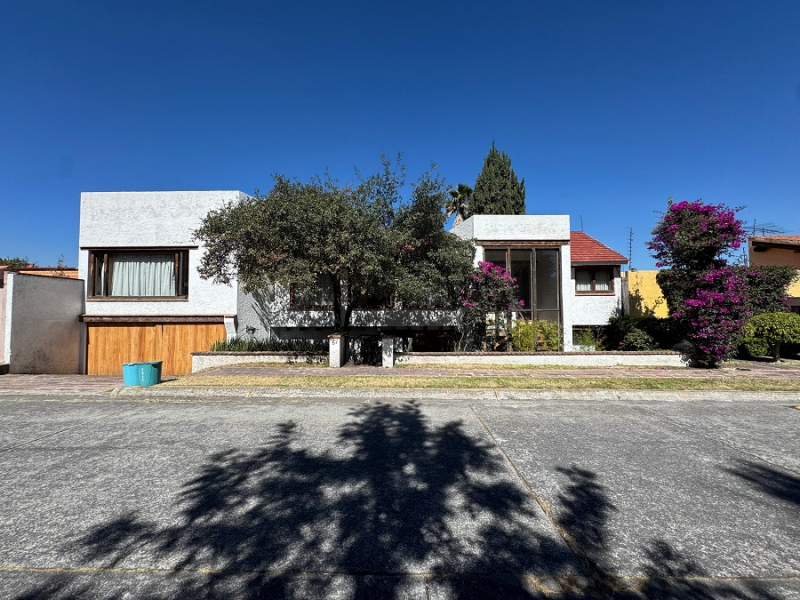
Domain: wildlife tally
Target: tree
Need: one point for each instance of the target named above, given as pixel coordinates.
(362, 239)
(15, 262)
(706, 296)
(460, 199)
(497, 189)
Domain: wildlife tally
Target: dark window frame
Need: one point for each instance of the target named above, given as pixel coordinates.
(533, 310)
(100, 257)
(593, 269)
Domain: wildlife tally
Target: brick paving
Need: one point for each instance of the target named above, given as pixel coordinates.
(57, 384)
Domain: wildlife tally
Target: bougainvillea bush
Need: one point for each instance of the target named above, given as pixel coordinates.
(708, 298)
(696, 236)
(491, 291)
(714, 315)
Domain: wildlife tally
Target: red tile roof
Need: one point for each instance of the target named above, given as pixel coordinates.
(791, 240)
(587, 250)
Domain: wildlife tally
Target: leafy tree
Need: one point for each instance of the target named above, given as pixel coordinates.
(766, 288)
(15, 262)
(497, 189)
(766, 333)
(460, 199)
(360, 238)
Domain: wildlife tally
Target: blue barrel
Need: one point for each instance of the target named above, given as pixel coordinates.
(130, 373)
(149, 372)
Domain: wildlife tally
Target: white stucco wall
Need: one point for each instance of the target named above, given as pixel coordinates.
(514, 227)
(2, 325)
(597, 310)
(260, 312)
(42, 331)
(154, 219)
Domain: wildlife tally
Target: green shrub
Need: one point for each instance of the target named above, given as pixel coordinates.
(242, 344)
(588, 337)
(765, 334)
(536, 336)
(664, 332)
(637, 340)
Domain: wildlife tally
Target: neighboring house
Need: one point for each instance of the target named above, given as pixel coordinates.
(778, 250)
(564, 276)
(146, 301)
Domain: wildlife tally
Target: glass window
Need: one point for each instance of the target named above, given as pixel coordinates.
(497, 257)
(537, 273)
(583, 281)
(138, 274)
(594, 280)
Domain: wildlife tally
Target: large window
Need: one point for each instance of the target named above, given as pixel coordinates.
(140, 273)
(594, 280)
(301, 297)
(537, 273)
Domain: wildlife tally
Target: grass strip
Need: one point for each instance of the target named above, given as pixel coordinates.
(482, 383)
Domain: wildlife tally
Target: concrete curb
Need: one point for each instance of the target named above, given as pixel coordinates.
(471, 395)
(365, 394)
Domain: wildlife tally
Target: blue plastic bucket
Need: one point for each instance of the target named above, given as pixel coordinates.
(130, 373)
(149, 373)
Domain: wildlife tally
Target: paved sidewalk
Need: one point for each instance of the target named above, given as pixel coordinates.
(88, 385)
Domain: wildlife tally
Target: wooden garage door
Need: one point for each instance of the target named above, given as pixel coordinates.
(110, 345)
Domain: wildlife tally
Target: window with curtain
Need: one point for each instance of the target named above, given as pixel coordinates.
(594, 280)
(138, 274)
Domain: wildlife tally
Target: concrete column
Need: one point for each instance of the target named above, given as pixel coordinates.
(336, 345)
(387, 347)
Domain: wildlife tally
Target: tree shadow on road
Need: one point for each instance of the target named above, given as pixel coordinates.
(396, 507)
(773, 481)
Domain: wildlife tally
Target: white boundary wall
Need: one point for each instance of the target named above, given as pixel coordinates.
(573, 359)
(209, 360)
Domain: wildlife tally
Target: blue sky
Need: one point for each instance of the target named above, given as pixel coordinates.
(606, 107)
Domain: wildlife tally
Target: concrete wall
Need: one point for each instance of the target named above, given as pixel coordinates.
(154, 219)
(575, 359)
(514, 228)
(267, 312)
(597, 310)
(42, 333)
(774, 257)
(2, 323)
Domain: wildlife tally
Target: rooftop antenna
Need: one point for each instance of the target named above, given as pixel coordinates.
(581, 222)
(630, 249)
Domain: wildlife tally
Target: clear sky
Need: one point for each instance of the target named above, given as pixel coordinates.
(606, 107)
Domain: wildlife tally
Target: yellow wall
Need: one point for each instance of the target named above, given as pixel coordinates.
(647, 301)
(645, 295)
(794, 289)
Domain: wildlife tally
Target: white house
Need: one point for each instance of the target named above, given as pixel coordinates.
(146, 301)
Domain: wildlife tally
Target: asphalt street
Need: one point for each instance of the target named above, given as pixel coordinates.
(381, 498)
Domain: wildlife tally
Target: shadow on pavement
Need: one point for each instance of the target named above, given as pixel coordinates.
(398, 508)
(775, 482)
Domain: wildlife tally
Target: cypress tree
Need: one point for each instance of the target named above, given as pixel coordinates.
(497, 189)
